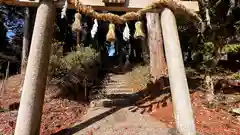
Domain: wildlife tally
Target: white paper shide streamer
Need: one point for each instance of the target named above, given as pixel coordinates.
(64, 10)
(94, 28)
(126, 33)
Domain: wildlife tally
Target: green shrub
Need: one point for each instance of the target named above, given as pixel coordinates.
(55, 68)
(85, 56)
(76, 70)
(231, 48)
(236, 76)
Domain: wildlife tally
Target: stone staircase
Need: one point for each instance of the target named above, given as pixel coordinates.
(114, 91)
(110, 112)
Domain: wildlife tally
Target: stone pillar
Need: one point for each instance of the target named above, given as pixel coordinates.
(178, 82)
(31, 104)
(158, 66)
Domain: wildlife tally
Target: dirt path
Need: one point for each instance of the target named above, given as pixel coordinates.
(117, 119)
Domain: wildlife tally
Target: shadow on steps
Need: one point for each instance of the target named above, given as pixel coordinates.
(118, 101)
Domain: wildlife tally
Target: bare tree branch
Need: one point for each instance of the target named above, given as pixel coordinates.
(205, 5)
(217, 3)
(208, 19)
(232, 6)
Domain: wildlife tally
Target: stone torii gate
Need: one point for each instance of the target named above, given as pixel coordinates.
(30, 111)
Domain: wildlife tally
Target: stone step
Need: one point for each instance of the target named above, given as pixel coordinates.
(114, 95)
(116, 86)
(112, 91)
(116, 80)
(109, 93)
(110, 102)
(114, 83)
(123, 89)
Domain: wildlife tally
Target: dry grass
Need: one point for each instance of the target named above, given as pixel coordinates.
(139, 77)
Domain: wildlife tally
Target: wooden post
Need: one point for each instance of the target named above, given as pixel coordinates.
(26, 40)
(30, 111)
(78, 38)
(5, 80)
(158, 66)
(178, 82)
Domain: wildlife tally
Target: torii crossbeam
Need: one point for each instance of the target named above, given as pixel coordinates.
(129, 5)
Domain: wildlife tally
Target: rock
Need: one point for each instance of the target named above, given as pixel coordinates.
(236, 111)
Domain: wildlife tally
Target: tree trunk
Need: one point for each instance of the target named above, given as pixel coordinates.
(209, 82)
(26, 41)
(178, 82)
(210, 87)
(158, 66)
(30, 110)
(68, 41)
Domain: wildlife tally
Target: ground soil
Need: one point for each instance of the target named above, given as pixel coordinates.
(58, 113)
(215, 121)
(209, 120)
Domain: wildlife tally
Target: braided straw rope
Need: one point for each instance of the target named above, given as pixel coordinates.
(176, 7)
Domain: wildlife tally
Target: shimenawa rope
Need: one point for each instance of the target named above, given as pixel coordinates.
(175, 6)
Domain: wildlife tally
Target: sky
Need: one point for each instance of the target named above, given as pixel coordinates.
(18, 23)
(10, 34)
